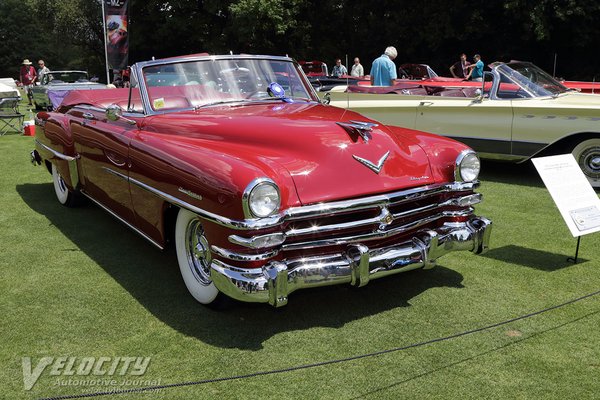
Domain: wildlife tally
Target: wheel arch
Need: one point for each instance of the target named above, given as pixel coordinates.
(566, 143)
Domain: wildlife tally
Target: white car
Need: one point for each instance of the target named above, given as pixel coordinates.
(519, 112)
(61, 81)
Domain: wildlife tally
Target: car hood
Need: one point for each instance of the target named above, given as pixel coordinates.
(576, 100)
(323, 158)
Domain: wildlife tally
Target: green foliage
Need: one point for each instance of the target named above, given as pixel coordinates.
(264, 24)
(19, 33)
(69, 33)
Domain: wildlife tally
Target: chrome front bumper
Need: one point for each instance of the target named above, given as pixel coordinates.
(357, 265)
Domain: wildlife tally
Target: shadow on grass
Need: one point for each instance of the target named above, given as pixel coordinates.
(152, 278)
(474, 357)
(523, 174)
(532, 258)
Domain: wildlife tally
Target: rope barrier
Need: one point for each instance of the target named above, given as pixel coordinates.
(322, 363)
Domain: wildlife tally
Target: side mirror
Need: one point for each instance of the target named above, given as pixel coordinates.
(115, 113)
(326, 98)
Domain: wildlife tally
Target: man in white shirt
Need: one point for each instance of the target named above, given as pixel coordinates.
(42, 69)
(357, 69)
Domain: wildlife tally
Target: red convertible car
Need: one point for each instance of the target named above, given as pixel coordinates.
(263, 189)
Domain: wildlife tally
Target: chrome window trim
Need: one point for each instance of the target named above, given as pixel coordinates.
(147, 107)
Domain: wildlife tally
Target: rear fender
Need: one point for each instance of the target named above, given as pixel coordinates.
(54, 143)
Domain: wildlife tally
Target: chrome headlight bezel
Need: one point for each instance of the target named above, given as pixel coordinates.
(248, 204)
(466, 162)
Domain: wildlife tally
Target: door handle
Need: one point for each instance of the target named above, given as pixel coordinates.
(88, 115)
(426, 103)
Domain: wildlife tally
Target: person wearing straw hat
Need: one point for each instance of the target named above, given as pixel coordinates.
(28, 76)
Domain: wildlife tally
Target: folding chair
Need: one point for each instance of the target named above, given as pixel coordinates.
(10, 117)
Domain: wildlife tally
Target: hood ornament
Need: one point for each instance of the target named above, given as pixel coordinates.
(359, 127)
(372, 166)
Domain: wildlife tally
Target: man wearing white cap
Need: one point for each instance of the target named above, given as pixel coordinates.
(28, 76)
(383, 70)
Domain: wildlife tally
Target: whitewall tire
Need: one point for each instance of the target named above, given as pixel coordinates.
(64, 195)
(587, 155)
(194, 257)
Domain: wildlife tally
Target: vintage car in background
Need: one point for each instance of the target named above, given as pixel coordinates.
(263, 189)
(416, 72)
(61, 81)
(518, 113)
(314, 68)
(424, 72)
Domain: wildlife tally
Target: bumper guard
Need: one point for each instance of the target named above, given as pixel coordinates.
(357, 265)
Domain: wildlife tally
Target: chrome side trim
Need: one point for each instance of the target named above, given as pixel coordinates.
(56, 153)
(133, 228)
(71, 162)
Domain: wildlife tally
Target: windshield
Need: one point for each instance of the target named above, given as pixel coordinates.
(532, 81)
(65, 77)
(193, 84)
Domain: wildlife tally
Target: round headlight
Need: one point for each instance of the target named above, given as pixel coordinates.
(262, 197)
(467, 166)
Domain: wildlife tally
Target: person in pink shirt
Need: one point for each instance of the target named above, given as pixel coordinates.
(27, 77)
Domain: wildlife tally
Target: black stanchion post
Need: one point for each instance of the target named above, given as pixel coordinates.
(574, 260)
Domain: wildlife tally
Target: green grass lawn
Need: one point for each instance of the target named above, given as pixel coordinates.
(75, 282)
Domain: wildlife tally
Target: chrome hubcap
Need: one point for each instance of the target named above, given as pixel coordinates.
(595, 162)
(198, 252)
(589, 160)
(61, 184)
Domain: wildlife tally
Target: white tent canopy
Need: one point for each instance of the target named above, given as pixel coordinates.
(7, 91)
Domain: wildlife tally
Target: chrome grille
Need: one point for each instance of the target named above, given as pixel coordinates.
(376, 219)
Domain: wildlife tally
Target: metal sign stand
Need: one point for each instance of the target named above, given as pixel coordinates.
(574, 259)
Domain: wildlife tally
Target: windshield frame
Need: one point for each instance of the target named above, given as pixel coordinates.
(528, 86)
(56, 77)
(138, 72)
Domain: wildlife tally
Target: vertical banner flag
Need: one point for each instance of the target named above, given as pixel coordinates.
(116, 17)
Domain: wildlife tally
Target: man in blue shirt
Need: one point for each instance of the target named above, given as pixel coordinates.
(383, 70)
(476, 73)
(338, 69)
